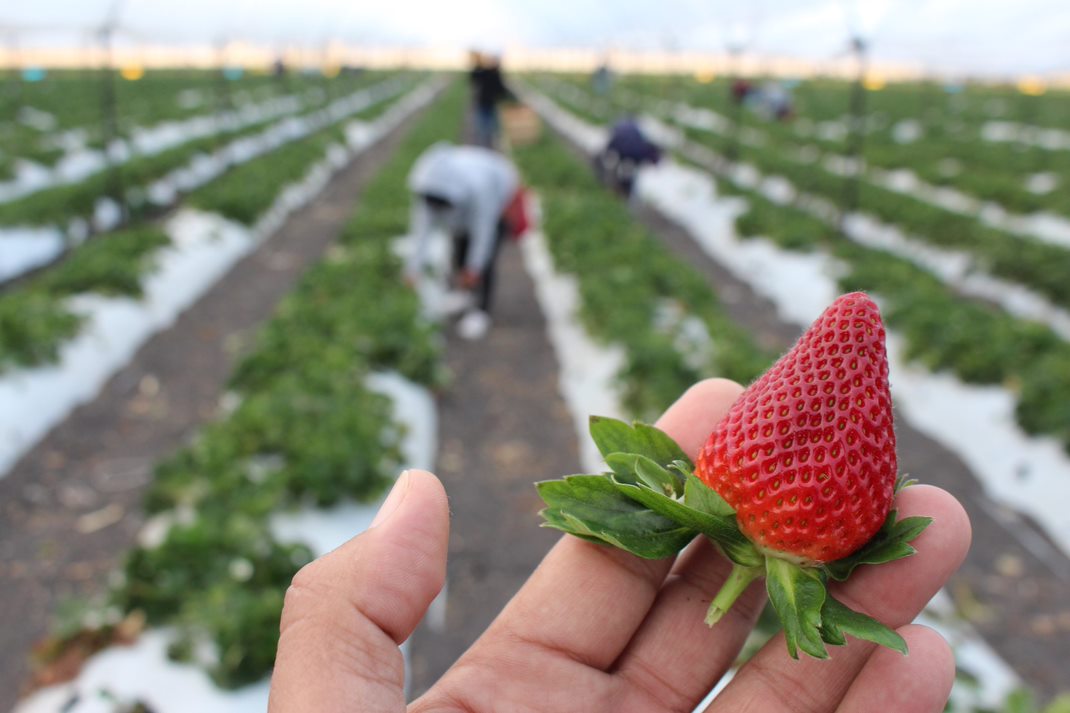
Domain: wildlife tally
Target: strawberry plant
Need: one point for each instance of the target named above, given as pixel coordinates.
(794, 485)
(307, 431)
(35, 318)
(624, 272)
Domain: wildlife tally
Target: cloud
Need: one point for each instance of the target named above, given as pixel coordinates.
(966, 35)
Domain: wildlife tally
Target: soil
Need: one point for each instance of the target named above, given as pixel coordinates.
(503, 426)
(71, 506)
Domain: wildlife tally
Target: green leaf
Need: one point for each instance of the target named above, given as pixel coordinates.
(658, 478)
(831, 634)
(838, 619)
(623, 466)
(719, 528)
(798, 595)
(637, 469)
(891, 542)
(613, 436)
(592, 507)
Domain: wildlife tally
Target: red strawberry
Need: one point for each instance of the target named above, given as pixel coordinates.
(804, 465)
(806, 456)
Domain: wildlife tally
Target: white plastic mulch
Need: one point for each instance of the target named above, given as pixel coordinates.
(80, 162)
(142, 672)
(204, 247)
(587, 369)
(24, 248)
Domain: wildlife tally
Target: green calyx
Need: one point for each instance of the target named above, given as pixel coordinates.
(651, 504)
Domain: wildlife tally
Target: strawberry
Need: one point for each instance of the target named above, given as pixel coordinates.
(795, 484)
(806, 456)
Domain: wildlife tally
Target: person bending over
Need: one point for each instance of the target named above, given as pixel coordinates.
(465, 191)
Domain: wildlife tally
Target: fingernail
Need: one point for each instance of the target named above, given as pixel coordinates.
(393, 500)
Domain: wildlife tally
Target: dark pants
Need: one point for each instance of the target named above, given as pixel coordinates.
(486, 278)
(616, 172)
(486, 120)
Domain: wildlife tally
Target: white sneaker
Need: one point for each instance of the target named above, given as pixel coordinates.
(474, 325)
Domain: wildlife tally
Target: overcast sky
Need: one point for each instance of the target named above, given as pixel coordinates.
(974, 36)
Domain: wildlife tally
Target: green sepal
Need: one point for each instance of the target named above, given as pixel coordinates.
(594, 508)
(722, 529)
(622, 465)
(638, 469)
(903, 482)
(892, 542)
(838, 619)
(798, 596)
(614, 436)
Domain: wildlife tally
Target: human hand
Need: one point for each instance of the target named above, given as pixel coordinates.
(470, 279)
(596, 629)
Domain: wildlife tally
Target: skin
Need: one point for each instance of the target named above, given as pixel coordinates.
(595, 629)
(469, 279)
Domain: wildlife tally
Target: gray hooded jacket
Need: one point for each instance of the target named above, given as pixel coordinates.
(478, 182)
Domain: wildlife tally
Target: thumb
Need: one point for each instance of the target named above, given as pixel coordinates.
(346, 613)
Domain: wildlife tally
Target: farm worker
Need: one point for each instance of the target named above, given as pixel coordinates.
(602, 79)
(466, 191)
(488, 90)
(626, 151)
(596, 629)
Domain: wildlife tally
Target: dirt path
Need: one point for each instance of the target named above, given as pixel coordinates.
(70, 507)
(503, 426)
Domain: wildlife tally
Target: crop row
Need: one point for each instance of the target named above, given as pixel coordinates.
(1035, 264)
(943, 155)
(61, 204)
(997, 172)
(36, 316)
(307, 431)
(941, 109)
(978, 342)
(627, 280)
(45, 119)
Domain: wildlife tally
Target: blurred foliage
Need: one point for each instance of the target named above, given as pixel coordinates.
(307, 431)
(943, 329)
(624, 273)
(35, 317)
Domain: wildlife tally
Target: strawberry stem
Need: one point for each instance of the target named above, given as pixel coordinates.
(738, 580)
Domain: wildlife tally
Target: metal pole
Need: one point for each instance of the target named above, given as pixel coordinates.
(224, 102)
(110, 124)
(110, 111)
(856, 133)
(735, 104)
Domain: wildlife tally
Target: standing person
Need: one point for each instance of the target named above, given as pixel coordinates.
(465, 191)
(488, 89)
(602, 80)
(627, 150)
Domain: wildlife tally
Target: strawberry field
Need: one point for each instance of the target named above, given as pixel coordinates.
(175, 444)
